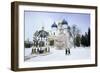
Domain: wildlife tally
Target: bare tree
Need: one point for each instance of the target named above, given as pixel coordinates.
(75, 31)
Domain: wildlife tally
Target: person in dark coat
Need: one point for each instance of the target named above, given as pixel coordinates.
(67, 51)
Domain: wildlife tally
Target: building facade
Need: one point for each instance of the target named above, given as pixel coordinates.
(60, 36)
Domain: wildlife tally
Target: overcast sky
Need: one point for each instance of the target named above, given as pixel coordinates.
(35, 20)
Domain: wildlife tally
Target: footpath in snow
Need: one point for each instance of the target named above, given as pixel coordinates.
(56, 55)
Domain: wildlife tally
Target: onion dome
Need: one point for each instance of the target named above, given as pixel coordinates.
(64, 22)
(54, 25)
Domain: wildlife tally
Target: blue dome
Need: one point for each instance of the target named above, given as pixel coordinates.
(64, 22)
(54, 25)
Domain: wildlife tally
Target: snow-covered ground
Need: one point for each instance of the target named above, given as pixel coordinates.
(56, 55)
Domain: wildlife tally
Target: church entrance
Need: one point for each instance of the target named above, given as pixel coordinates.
(51, 42)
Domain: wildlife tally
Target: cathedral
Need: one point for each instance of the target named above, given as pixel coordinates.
(58, 37)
